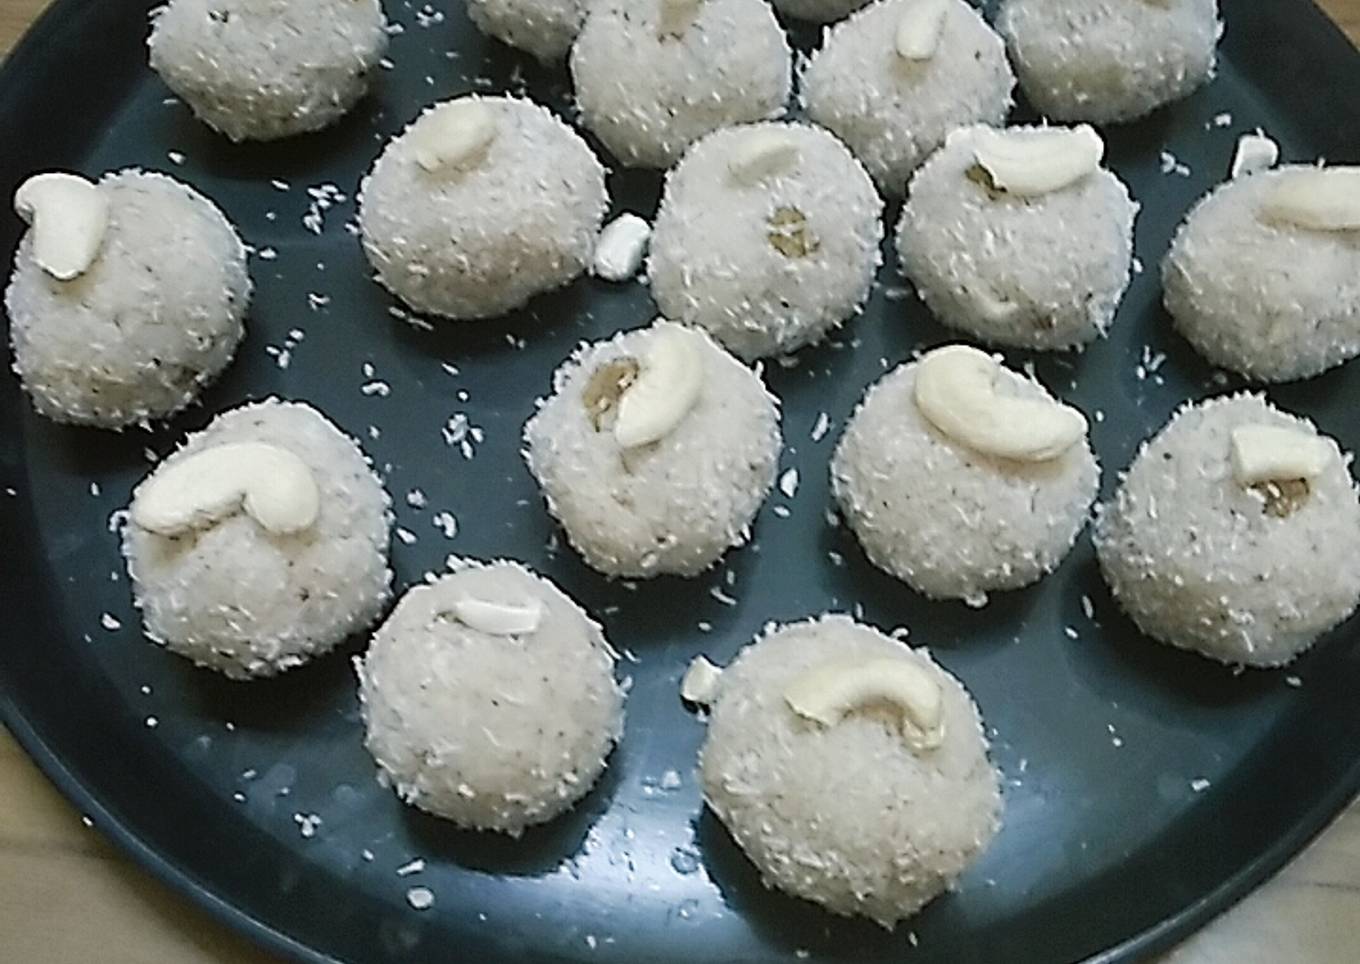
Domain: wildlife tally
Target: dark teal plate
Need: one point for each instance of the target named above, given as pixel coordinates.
(1107, 850)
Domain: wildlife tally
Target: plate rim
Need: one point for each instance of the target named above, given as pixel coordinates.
(30, 49)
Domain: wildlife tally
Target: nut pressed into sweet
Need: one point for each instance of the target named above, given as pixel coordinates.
(272, 485)
(1319, 199)
(919, 30)
(829, 692)
(69, 216)
(763, 153)
(1033, 163)
(498, 618)
(956, 390)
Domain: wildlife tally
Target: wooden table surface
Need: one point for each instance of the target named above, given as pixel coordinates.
(67, 896)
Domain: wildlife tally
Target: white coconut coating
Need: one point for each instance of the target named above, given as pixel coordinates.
(264, 69)
(157, 315)
(674, 506)
(771, 266)
(819, 11)
(848, 816)
(247, 602)
(649, 96)
(493, 732)
(1273, 302)
(1109, 61)
(544, 28)
(481, 242)
(947, 520)
(1201, 562)
(894, 112)
(1043, 272)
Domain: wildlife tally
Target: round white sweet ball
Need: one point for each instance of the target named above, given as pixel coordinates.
(249, 602)
(766, 262)
(892, 111)
(1108, 61)
(819, 11)
(155, 317)
(1247, 575)
(649, 86)
(264, 69)
(489, 698)
(951, 521)
(850, 815)
(1270, 300)
(479, 235)
(675, 505)
(1044, 272)
(544, 28)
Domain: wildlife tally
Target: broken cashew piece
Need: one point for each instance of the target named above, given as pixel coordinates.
(762, 153)
(1255, 153)
(677, 16)
(1034, 163)
(668, 383)
(920, 28)
(1321, 199)
(956, 391)
(454, 137)
(828, 693)
(620, 247)
(69, 216)
(1271, 453)
(274, 486)
(700, 683)
(498, 619)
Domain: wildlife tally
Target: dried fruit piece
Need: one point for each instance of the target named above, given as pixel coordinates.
(1255, 152)
(454, 138)
(1320, 199)
(606, 387)
(828, 693)
(1272, 453)
(1284, 498)
(700, 683)
(1032, 163)
(790, 235)
(275, 487)
(762, 153)
(920, 28)
(620, 247)
(69, 216)
(498, 619)
(956, 391)
(677, 16)
(666, 388)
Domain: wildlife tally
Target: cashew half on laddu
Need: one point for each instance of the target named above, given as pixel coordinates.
(270, 484)
(956, 391)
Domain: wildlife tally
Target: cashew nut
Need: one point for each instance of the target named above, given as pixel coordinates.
(668, 383)
(620, 246)
(762, 153)
(69, 216)
(1321, 198)
(1032, 163)
(1271, 453)
(789, 233)
(677, 16)
(957, 392)
(1255, 152)
(700, 683)
(275, 487)
(920, 28)
(454, 137)
(499, 619)
(828, 693)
